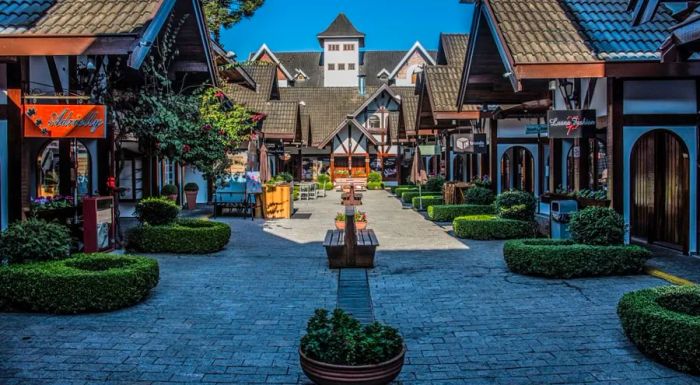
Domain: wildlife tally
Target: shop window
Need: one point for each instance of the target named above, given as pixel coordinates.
(597, 166)
(63, 166)
(518, 170)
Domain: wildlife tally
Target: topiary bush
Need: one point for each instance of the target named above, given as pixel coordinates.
(398, 191)
(518, 205)
(84, 283)
(446, 213)
(435, 183)
(597, 226)
(168, 189)
(187, 236)
(191, 186)
(374, 176)
(156, 211)
(479, 196)
(320, 186)
(488, 227)
(34, 240)
(407, 197)
(428, 201)
(284, 177)
(375, 186)
(656, 320)
(557, 258)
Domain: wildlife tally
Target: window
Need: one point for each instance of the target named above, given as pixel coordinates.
(374, 122)
(331, 67)
(334, 47)
(348, 47)
(341, 66)
(351, 66)
(50, 180)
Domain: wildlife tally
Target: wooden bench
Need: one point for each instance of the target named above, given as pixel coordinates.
(350, 248)
(359, 183)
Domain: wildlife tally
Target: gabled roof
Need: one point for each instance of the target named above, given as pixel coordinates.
(417, 46)
(265, 49)
(341, 27)
(452, 49)
(442, 84)
(348, 121)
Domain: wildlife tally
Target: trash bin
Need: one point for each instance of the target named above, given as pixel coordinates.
(560, 213)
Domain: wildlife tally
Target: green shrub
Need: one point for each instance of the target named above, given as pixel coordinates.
(479, 196)
(329, 186)
(447, 213)
(398, 191)
(375, 186)
(84, 283)
(156, 211)
(341, 340)
(597, 226)
(428, 201)
(565, 259)
(191, 186)
(168, 189)
(486, 227)
(394, 188)
(284, 177)
(36, 240)
(374, 176)
(187, 236)
(517, 205)
(687, 302)
(324, 180)
(668, 336)
(407, 197)
(435, 183)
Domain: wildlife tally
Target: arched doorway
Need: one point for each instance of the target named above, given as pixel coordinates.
(660, 190)
(518, 170)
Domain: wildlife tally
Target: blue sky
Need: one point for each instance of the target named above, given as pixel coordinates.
(292, 25)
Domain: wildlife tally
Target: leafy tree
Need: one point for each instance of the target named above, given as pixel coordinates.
(225, 13)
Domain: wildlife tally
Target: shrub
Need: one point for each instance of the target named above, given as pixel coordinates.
(394, 188)
(156, 211)
(597, 226)
(666, 335)
(479, 196)
(284, 177)
(407, 197)
(341, 340)
(375, 186)
(374, 176)
(517, 205)
(329, 186)
(84, 283)
(36, 240)
(190, 236)
(398, 191)
(191, 187)
(435, 183)
(322, 179)
(428, 201)
(486, 227)
(565, 259)
(168, 189)
(446, 213)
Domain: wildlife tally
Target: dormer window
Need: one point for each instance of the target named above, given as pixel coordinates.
(348, 47)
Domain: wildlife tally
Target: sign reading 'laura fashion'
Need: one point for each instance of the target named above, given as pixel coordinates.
(470, 143)
(571, 124)
(87, 121)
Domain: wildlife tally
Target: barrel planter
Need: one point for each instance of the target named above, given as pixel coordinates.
(328, 374)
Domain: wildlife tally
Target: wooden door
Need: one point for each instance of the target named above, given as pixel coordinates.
(660, 190)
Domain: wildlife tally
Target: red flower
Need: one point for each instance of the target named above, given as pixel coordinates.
(206, 127)
(222, 132)
(219, 94)
(186, 148)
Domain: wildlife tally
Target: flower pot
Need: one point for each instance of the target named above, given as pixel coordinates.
(172, 197)
(340, 225)
(360, 225)
(191, 197)
(328, 374)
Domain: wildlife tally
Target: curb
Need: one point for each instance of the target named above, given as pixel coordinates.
(654, 272)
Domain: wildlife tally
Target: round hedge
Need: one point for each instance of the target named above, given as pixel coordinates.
(187, 236)
(668, 335)
(487, 227)
(84, 283)
(565, 259)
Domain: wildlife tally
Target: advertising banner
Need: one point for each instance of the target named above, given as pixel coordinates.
(82, 121)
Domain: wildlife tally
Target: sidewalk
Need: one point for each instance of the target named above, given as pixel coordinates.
(675, 263)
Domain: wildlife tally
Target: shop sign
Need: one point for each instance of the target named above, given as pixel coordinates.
(481, 146)
(470, 143)
(571, 124)
(275, 148)
(531, 129)
(86, 121)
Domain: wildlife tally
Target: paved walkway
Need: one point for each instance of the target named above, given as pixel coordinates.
(236, 316)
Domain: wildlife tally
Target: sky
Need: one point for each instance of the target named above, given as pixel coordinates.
(292, 25)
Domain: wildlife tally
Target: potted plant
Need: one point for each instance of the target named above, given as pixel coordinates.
(360, 221)
(339, 350)
(191, 191)
(340, 221)
(58, 208)
(169, 191)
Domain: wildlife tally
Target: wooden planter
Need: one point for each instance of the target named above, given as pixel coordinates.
(588, 202)
(329, 374)
(277, 201)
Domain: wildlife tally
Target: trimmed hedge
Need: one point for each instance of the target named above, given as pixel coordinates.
(394, 188)
(375, 186)
(670, 336)
(557, 258)
(446, 213)
(487, 227)
(398, 191)
(156, 211)
(407, 197)
(428, 201)
(84, 283)
(479, 196)
(186, 236)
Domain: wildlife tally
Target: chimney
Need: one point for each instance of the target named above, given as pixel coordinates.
(361, 85)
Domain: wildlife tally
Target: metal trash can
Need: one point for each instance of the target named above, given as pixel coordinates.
(560, 214)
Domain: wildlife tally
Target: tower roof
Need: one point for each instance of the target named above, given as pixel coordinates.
(341, 27)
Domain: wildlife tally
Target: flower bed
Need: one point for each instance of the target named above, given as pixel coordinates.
(407, 196)
(428, 201)
(566, 259)
(664, 323)
(190, 236)
(446, 213)
(487, 227)
(84, 283)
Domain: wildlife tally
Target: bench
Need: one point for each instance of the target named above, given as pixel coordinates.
(350, 248)
(359, 183)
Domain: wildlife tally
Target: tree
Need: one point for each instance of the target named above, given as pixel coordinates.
(225, 13)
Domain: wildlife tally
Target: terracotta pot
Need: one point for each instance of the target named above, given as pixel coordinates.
(191, 197)
(360, 225)
(173, 197)
(340, 225)
(329, 374)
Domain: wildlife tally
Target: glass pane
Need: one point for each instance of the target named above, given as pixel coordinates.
(83, 170)
(49, 174)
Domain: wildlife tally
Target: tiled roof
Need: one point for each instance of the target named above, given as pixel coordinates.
(409, 107)
(341, 27)
(453, 49)
(577, 31)
(75, 17)
(443, 86)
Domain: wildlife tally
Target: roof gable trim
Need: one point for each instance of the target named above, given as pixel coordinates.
(265, 49)
(417, 46)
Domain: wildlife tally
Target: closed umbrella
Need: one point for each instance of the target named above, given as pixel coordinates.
(418, 175)
(264, 171)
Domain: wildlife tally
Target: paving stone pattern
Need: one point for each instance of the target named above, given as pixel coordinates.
(235, 317)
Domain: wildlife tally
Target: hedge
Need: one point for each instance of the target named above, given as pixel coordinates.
(400, 190)
(487, 227)
(394, 188)
(447, 213)
(428, 201)
(407, 197)
(187, 236)
(664, 333)
(565, 259)
(84, 283)
(329, 186)
(375, 186)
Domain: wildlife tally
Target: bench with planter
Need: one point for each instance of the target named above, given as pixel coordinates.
(350, 247)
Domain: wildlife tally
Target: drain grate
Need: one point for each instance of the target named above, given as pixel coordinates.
(353, 294)
(301, 216)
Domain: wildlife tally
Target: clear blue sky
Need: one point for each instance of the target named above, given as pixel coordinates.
(292, 25)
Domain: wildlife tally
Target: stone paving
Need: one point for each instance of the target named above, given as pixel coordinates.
(236, 316)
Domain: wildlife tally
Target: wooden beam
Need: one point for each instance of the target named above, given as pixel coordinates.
(464, 115)
(662, 120)
(560, 70)
(62, 45)
(189, 66)
(614, 145)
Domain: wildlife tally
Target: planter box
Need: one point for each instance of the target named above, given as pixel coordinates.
(588, 202)
(549, 197)
(329, 374)
(277, 201)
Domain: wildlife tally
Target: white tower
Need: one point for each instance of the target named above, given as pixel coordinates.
(341, 53)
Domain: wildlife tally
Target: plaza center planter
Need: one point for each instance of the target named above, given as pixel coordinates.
(277, 201)
(322, 373)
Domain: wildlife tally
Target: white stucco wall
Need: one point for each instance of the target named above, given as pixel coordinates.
(660, 97)
(40, 77)
(342, 139)
(337, 78)
(194, 176)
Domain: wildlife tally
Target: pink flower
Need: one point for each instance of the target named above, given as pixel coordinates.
(186, 148)
(206, 127)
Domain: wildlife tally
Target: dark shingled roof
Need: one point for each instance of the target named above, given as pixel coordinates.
(409, 107)
(341, 27)
(75, 17)
(443, 83)
(453, 49)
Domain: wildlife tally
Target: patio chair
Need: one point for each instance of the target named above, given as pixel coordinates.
(304, 191)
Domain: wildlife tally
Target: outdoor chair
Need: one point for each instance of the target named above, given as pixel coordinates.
(304, 191)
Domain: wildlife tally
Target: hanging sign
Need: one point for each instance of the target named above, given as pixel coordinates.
(571, 124)
(87, 121)
(535, 129)
(275, 148)
(470, 143)
(481, 146)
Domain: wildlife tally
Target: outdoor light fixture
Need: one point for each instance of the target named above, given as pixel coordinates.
(552, 85)
(507, 74)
